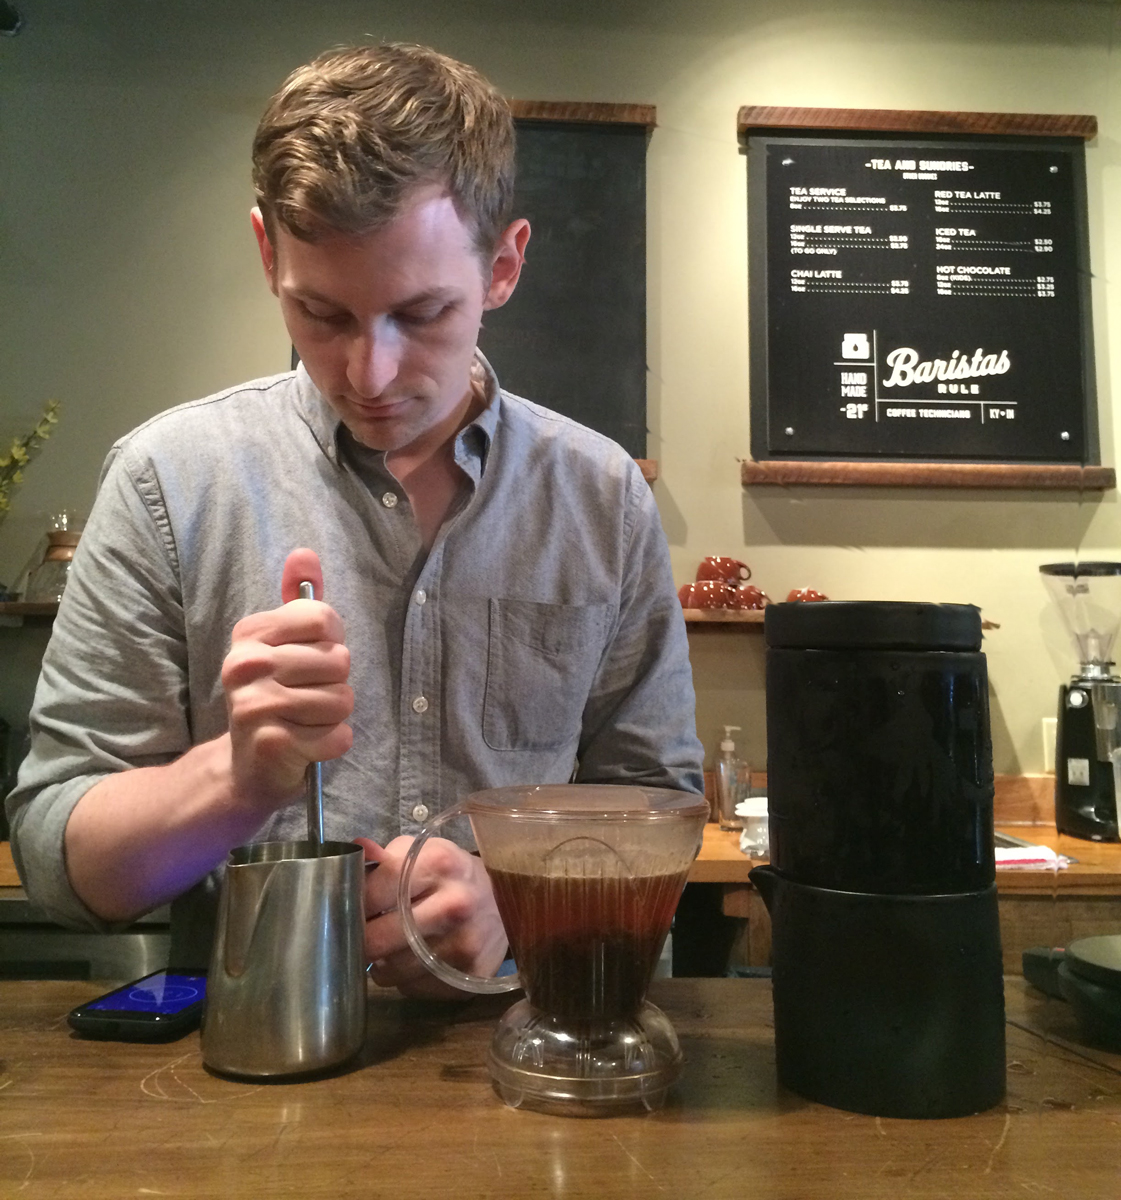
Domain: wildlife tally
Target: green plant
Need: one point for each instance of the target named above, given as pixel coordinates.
(22, 451)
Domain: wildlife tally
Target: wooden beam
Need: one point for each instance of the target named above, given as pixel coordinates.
(1068, 477)
(590, 112)
(755, 118)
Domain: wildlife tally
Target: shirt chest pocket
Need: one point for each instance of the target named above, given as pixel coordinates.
(541, 661)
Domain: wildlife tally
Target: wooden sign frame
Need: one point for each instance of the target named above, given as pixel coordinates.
(866, 127)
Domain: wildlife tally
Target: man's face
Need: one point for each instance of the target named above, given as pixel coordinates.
(386, 323)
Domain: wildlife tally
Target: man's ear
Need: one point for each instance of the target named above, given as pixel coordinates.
(506, 267)
(268, 255)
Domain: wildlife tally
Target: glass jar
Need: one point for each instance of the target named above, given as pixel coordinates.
(47, 581)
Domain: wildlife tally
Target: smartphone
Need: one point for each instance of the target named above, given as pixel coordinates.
(156, 1008)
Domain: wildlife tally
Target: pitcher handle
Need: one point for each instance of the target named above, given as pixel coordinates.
(463, 980)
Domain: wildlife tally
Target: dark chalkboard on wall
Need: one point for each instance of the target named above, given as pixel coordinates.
(918, 298)
(573, 337)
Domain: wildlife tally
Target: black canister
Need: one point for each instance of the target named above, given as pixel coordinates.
(885, 930)
(888, 1005)
(879, 760)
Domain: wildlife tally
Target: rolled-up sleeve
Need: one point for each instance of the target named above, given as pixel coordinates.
(112, 693)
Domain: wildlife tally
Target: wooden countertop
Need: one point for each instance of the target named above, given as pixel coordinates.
(721, 860)
(417, 1118)
(1096, 873)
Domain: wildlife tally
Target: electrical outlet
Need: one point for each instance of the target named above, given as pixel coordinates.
(1049, 734)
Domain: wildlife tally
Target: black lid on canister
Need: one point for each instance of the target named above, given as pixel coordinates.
(879, 754)
(872, 625)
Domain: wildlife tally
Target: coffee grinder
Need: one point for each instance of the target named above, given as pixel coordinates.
(1089, 597)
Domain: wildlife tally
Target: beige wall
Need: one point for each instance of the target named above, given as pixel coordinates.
(128, 279)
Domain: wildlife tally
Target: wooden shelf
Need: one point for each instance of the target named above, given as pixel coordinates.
(751, 617)
(1067, 477)
(9, 876)
(28, 608)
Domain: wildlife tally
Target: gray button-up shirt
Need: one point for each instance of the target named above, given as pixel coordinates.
(540, 636)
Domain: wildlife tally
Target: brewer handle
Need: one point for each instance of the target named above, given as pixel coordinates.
(463, 980)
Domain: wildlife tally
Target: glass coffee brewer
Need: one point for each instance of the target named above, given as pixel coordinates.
(586, 878)
(1088, 737)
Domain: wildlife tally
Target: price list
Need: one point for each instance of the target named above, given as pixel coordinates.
(919, 300)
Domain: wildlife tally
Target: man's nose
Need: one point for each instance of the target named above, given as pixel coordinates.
(372, 362)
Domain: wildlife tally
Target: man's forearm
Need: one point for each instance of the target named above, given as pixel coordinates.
(139, 838)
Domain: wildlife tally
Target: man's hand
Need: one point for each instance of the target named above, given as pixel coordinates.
(454, 910)
(138, 838)
(286, 691)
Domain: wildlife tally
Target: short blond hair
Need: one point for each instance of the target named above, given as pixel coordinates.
(351, 135)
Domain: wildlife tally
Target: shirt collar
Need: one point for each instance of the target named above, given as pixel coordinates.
(472, 443)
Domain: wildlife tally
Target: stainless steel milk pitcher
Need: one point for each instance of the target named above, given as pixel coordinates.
(287, 984)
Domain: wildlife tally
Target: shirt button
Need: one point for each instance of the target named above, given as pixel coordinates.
(420, 813)
(420, 704)
(389, 499)
(421, 596)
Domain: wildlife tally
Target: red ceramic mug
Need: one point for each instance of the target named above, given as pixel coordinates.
(712, 593)
(749, 596)
(730, 570)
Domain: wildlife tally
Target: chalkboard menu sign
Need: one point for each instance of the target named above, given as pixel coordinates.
(573, 336)
(920, 299)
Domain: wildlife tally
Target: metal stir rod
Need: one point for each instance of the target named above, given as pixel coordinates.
(314, 773)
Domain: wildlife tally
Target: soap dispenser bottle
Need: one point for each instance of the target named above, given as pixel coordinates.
(729, 772)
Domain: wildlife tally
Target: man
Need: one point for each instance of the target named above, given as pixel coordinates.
(497, 606)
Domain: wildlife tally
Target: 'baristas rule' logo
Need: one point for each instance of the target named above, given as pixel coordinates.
(907, 369)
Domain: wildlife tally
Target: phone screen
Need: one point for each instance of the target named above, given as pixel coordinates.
(163, 992)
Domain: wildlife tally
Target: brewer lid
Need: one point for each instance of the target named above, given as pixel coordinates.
(584, 800)
(1097, 959)
(872, 625)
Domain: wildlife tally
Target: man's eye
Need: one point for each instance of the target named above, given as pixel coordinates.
(422, 316)
(323, 318)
